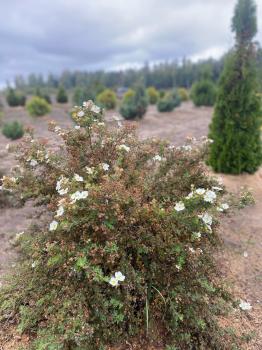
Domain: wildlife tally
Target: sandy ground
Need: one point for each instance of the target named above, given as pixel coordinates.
(241, 259)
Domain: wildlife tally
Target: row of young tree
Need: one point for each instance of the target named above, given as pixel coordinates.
(15, 97)
(235, 128)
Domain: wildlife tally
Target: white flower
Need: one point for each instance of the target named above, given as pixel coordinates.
(78, 178)
(57, 129)
(113, 281)
(119, 276)
(184, 147)
(215, 188)
(78, 195)
(63, 191)
(196, 235)
(101, 124)
(105, 166)
(245, 306)
(95, 109)
(124, 148)
(19, 234)
(77, 127)
(192, 250)
(178, 267)
(59, 185)
(90, 171)
(200, 191)
(187, 148)
(53, 225)
(245, 254)
(33, 162)
(210, 196)
(179, 206)
(206, 218)
(60, 211)
(222, 207)
(157, 158)
(80, 114)
(225, 206)
(33, 264)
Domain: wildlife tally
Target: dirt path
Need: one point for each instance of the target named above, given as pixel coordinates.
(241, 261)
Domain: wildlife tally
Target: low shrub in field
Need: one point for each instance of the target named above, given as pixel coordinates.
(203, 93)
(183, 94)
(13, 130)
(128, 95)
(162, 93)
(107, 99)
(61, 96)
(153, 95)
(165, 105)
(37, 107)
(169, 102)
(135, 105)
(128, 247)
(175, 97)
(15, 98)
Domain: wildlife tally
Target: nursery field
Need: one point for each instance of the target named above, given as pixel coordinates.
(240, 262)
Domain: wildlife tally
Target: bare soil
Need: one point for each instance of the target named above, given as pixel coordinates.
(240, 262)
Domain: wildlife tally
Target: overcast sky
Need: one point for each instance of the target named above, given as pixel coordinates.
(44, 36)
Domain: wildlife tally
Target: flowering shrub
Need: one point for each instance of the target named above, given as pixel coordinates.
(127, 249)
(38, 107)
(107, 99)
(13, 130)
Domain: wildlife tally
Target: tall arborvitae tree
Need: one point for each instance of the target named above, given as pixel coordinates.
(236, 123)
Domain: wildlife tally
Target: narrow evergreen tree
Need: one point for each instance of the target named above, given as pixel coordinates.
(235, 127)
(61, 96)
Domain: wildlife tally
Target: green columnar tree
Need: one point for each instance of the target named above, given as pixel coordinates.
(61, 96)
(235, 127)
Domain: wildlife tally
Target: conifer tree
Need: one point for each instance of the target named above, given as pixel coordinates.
(235, 127)
(61, 96)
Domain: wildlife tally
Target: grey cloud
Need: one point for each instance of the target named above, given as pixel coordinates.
(52, 35)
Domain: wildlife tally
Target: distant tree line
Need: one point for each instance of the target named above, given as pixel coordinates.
(162, 76)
